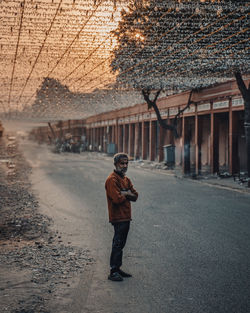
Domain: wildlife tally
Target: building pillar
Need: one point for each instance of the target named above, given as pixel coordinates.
(113, 134)
(125, 138)
(233, 151)
(145, 140)
(95, 138)
(230, 137)
(143, 148)
(161, 143)
(110, 138)
(169, 137)
(152, 134)
(105, 138)
(131, 142)
(120, 138)
(87, 137)
(212, 167)
(102, 134)
(86, 133)
(98, 137)
(196, 139)
(183, 146)
(92, 137)
(136, 140)
(117, 134)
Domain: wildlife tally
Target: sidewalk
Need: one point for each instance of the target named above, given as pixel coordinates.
(211, 180)
(227, 182)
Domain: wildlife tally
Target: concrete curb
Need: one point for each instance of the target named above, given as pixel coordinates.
(234, 187)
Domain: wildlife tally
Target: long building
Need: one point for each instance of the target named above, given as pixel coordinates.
(211, 140)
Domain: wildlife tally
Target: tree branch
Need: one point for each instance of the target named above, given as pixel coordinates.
(152, 104)
(146, 94)
(241, 85)
(182, 110)
(157, 95)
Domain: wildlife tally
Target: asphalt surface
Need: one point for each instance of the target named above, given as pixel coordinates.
(188, 248)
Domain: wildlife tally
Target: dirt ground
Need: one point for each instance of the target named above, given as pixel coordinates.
(38, 271)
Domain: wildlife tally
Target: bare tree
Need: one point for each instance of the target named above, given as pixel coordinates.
(246, 97)
(152, 104)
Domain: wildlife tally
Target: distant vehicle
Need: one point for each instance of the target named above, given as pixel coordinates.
(70, 143)
(11, 138)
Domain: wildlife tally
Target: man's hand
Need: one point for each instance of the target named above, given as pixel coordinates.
(124, 192)
(129, 195)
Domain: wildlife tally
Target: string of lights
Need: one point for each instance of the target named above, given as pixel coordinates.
(164, 61)
(69, 47)
(84, 61)
(145, 61)
(17, 46)
(107, 59)
(39, 53)
(174, 70)
(206, 79)
(177, 60)
(141, 62)
(49, 43)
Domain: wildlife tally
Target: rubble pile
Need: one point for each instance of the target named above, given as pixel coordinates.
(19, 218)
(35, 264)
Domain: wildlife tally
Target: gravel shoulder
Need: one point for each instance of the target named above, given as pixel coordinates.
(39, 271)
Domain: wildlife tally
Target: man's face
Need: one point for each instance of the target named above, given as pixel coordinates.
(122, 165)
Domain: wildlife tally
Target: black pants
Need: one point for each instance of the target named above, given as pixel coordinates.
(120, 236)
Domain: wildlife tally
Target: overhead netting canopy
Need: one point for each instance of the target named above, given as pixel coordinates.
(180, 45)
(61, 59)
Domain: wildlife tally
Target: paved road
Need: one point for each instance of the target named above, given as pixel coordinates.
(188, 247)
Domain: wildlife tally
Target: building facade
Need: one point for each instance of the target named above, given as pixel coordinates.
(211, 131)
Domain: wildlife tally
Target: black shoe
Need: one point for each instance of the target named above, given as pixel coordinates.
(115, 277)
(123, 274)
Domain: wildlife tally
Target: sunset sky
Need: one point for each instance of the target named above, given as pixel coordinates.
(68, 40)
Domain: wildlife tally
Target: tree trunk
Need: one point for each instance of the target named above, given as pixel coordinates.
(52, 130)
(246, 97)
(247, 134)
(163, 124)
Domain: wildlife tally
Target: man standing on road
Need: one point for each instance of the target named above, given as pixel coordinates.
(120, 192)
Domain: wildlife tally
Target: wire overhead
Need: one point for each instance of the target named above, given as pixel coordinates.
(62, 59)
(40, 51)
(17, 46)
(146, 60)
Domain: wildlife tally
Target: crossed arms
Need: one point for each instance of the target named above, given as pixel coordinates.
(129, 195)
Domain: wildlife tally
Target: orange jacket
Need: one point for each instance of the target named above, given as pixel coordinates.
(119, 207)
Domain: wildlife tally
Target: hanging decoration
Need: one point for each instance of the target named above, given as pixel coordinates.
(65, 59)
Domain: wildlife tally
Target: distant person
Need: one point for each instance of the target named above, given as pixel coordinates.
(120, 192)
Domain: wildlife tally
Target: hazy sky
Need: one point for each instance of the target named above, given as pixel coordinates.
(68, 40)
